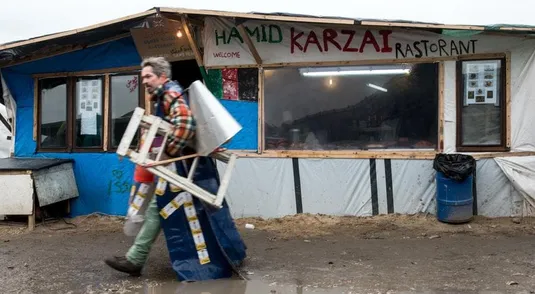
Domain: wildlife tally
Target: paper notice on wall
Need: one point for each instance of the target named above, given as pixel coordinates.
(89, 123)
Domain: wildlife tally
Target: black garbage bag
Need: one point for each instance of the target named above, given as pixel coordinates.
(455, 166)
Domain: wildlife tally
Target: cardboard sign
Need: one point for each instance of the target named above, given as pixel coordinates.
(163, 41)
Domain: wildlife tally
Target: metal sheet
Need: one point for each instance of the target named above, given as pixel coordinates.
(17, 194)
(55, 184)
(33, 164)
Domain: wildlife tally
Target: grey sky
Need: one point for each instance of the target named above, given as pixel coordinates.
(31, 18)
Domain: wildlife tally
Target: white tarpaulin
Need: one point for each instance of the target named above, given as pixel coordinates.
(336, 186)
(521, 173)
(523, 98)
(262, 187)
(284, 42)
(7, 110)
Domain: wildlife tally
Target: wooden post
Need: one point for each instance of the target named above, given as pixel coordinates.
(106, 108)
(35, 107)
(250, 44)
(192, 44)
(31, 217)
(508, 102)
(441, 77)
(260, 147)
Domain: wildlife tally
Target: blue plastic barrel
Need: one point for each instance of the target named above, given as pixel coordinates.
(454, 199)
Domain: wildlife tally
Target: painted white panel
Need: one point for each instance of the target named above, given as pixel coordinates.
(16, 197)
(414, 186)
(336, 186)
(262, 187)
(55, 184)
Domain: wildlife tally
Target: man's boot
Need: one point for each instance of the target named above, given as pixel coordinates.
(122, 264)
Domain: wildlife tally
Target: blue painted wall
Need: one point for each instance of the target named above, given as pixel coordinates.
(103, 181)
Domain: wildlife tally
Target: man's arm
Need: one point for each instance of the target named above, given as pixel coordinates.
(184, 127)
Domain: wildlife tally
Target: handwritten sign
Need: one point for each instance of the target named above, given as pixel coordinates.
(163, 41)
(278, 42)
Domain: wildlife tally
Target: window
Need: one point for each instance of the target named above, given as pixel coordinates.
(72, 111)
(481, 105)
(348, 108)
(125, 96)
(52, 133)
(89, 115)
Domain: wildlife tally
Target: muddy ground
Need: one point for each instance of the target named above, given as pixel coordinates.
(297, 254)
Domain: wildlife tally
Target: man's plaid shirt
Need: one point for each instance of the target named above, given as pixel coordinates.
(178, 113)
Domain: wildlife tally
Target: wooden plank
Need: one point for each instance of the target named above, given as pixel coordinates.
(76, 31)
(422, 25)
(508, 101)
(249, 43)
(417, 155)
(260, 147)
(107, 105)
(343, 154)
(324, 20)
(89, 72)
(233, 66)
(502, 154)
(517, 29)
(35, 107)
(366, 62)
(441, 77)
(192, 44)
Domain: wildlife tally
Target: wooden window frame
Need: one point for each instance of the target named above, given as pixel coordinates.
(39, 116)
(70, 78)
(503, 92)
(412, 153)
(141, 103)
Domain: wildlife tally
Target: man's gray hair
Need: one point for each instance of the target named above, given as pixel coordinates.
(159, 66)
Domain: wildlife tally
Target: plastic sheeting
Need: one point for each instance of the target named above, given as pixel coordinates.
(523, 99)
(494, 191)
(246, 113)
(104, 182)
(413, 184)
(7, 110)
(265, 187)
(336, 186)
(262, 187)
(521, 171)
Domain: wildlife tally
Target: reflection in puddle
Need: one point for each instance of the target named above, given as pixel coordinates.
(236, 287)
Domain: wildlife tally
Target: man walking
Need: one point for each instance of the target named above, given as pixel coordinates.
(204, 245)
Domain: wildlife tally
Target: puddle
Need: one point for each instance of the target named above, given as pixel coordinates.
(236, 287)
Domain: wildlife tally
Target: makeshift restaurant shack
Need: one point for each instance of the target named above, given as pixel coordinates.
(340, 116)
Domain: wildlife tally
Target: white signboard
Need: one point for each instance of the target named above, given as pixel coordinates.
(278, 42)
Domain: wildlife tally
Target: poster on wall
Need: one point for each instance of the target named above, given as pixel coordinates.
(481, 80)
(89, 105)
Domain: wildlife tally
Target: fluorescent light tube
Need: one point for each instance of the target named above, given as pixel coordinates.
(356, 72)
(377, 87)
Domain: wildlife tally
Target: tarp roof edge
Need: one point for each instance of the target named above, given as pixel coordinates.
(274, 16)
(507, 29)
